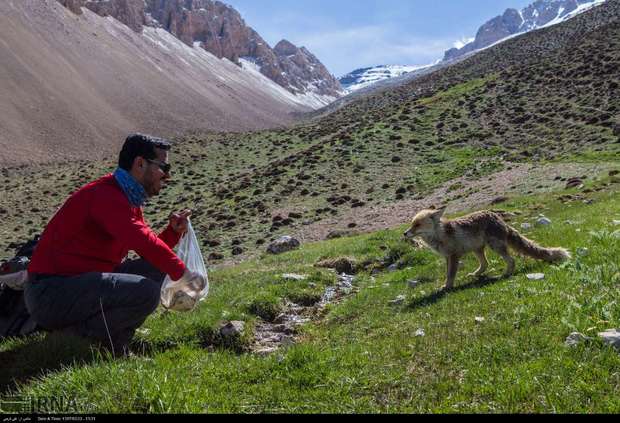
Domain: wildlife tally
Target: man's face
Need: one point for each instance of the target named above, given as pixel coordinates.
(155, 178)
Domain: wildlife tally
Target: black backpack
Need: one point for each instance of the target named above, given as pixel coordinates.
(15, 321)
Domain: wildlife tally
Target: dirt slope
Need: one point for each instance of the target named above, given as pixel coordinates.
(74, 86)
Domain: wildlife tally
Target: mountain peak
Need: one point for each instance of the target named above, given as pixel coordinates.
(285, 48)
(539, 14)
(219, 29)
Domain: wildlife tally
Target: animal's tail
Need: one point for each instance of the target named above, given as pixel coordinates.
(531, 249)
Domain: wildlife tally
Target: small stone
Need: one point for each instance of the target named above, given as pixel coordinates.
(611, 337)
(413, 284)
(281, 318)
(575, 339)
(398, 300)
(294, 277)
(543, 221)
(232, 329)
(536, 276)
(480, 319)
(526, 226)
(420, 333)
(392, 268)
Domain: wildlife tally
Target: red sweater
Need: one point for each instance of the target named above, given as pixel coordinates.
(95, 229)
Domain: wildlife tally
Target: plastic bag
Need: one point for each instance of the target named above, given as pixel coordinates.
(184, 295)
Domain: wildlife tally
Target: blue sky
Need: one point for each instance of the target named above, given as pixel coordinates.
(347, 34)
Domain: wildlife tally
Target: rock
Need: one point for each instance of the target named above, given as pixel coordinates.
(611, 337)
(413, 284)
(341, 265)
(283, 245)
(294, 277)
(398, 300)
(73, 5)
(575, 339)
(130, 12)
(420, 333)
(338, 234)
(536, 276)
(574, 183)
(392, 267)
(543, 221)
(479, 319)
(232, 329)
(499, 200)
(215, 256)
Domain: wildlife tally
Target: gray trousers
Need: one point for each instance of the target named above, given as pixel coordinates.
(106, 307)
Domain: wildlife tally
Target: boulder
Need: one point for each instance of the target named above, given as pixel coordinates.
(575, 339)
(283, 245)
(611, 337)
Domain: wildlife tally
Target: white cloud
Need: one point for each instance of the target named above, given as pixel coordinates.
(370, 46)
(463, 42)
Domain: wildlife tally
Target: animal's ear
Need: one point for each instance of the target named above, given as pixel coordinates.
(439, 213)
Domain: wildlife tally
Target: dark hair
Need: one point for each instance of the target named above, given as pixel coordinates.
(140, 145)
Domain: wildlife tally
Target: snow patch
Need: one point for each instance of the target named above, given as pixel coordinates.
(459, 44)
(379, 73)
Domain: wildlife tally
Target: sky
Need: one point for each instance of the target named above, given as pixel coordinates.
(350, 34)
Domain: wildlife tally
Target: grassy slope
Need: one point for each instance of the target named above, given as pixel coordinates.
(363, 355)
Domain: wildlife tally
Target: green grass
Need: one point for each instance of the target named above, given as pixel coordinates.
(362, 355)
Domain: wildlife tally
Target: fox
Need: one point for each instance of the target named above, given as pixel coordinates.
(453, 239)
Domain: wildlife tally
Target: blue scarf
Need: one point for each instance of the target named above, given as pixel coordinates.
(133, 190)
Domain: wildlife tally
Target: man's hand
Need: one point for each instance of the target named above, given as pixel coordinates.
(180, 220)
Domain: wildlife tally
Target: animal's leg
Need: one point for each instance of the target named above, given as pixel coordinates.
(501, 248)
(453, 267)
(484, 264)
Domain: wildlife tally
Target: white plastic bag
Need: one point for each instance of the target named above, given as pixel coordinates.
(184, 295)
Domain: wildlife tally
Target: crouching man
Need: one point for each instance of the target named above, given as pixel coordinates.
(78, 281)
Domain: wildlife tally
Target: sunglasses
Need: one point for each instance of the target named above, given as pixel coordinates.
(165, 167)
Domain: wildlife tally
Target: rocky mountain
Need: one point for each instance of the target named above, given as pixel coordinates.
(540, 14)
(537, 15)
(220, 29)
(73, 86)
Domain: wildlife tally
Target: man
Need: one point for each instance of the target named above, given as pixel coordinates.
(78, 281)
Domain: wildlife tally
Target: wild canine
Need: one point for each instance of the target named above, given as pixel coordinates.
(471, 234)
